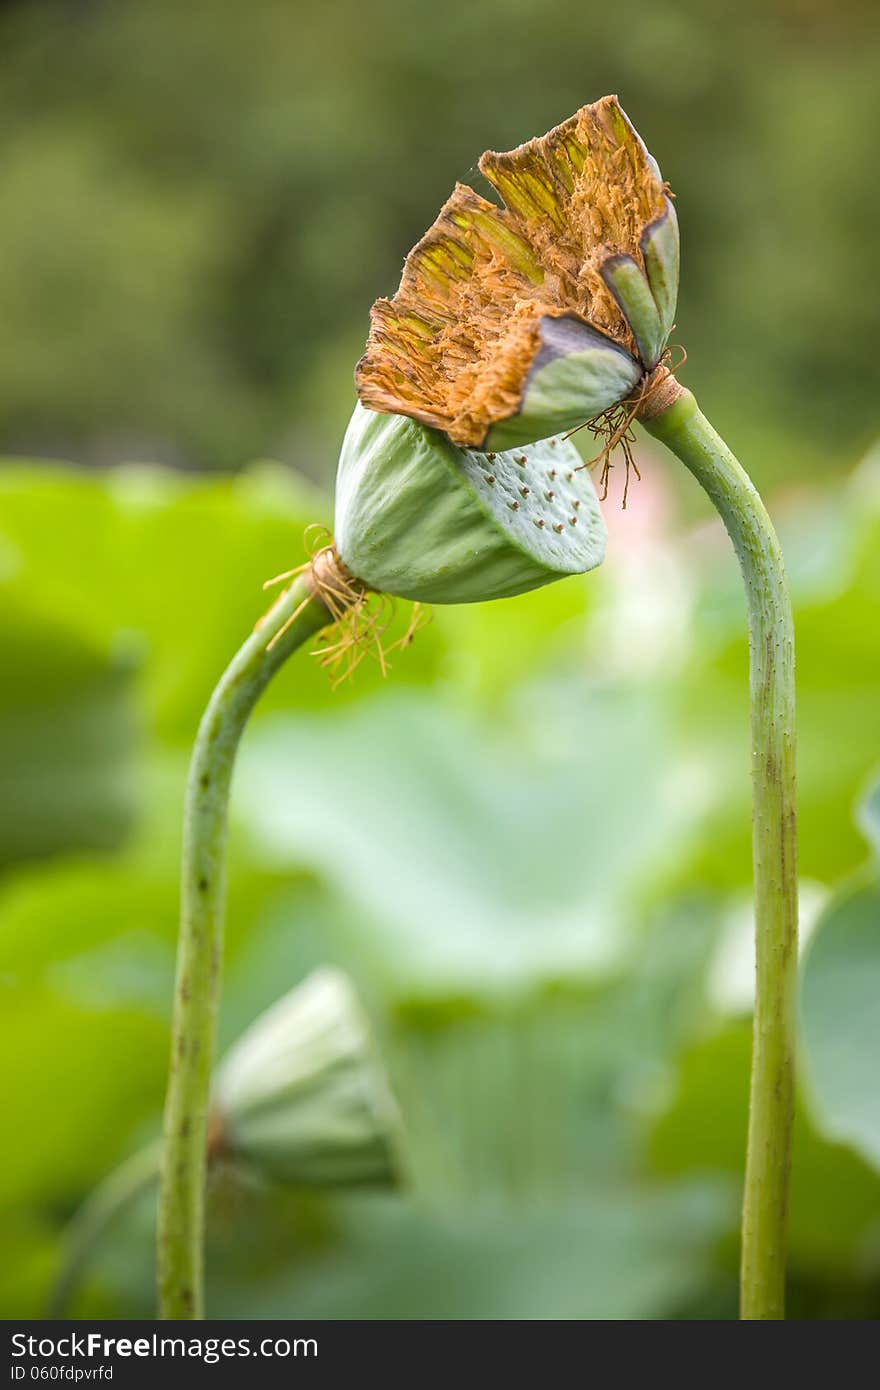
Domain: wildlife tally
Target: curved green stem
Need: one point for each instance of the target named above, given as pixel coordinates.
(292, 620)
(97, 1213)
(688, 434)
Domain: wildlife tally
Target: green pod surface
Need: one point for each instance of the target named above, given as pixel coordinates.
(648, 297)
(577, 374)
(419, 518)
(660, 249)
(630, 287)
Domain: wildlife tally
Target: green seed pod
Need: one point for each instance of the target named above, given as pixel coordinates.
(301, 1096)
(419, 518)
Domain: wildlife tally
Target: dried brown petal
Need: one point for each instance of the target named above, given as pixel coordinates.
(454, 346)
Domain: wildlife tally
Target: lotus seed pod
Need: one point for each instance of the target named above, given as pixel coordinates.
(302, 1098)
(419, 518)
(479, 340)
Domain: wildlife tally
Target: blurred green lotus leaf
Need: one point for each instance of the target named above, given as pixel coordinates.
(840, 1020)
(868, 817)
(489, 873)
(618, 1251)
(171, 568)
(702, 1129)
(487, 853)
(67, 738)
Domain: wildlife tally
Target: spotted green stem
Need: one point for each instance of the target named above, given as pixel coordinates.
(296, 616)
(687, 432)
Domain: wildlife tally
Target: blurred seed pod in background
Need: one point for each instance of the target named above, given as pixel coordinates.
(301, 1096)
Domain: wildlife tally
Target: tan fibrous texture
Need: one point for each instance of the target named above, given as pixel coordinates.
(454, 346)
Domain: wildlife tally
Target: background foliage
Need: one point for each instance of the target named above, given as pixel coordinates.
(202, 200)
(530, 847)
